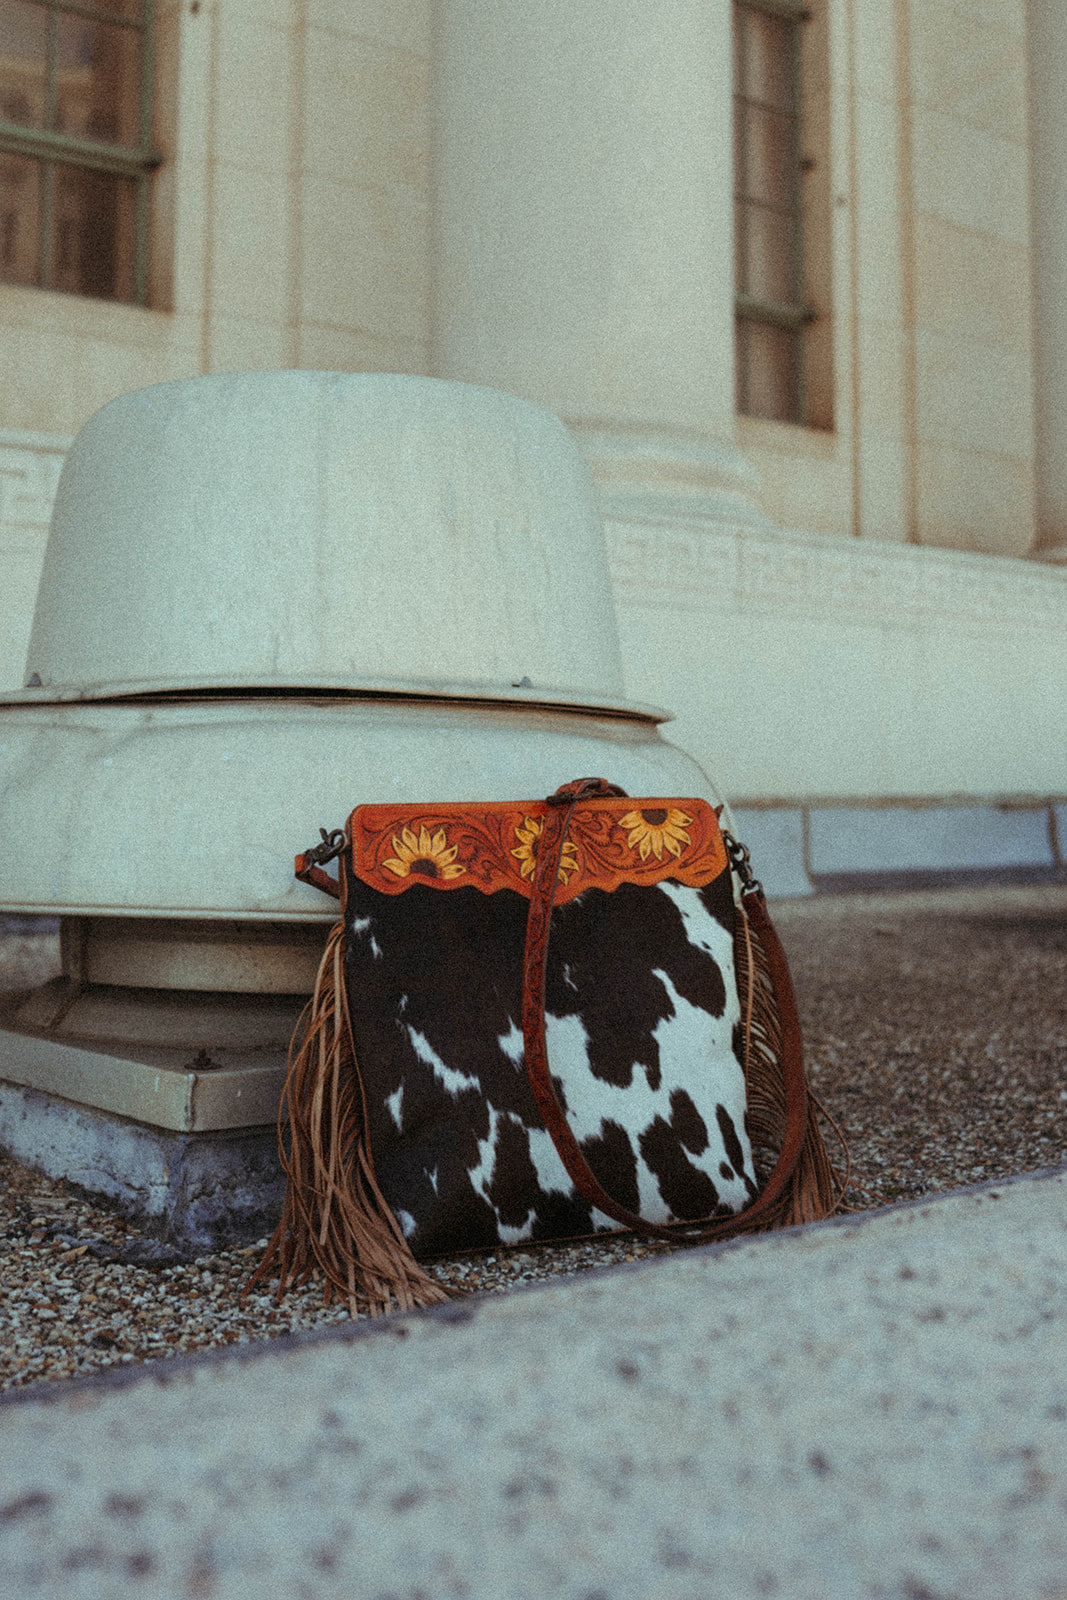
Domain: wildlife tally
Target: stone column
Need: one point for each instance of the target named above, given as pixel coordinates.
(583, 235)
(1048, 201)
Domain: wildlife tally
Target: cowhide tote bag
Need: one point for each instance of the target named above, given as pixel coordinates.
(534, 1021)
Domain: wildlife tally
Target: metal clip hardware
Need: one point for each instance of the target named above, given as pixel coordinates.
(332, 845)
(742, 864)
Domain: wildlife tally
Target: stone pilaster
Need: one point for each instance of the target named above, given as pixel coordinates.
(1048, 191)
(582, 245)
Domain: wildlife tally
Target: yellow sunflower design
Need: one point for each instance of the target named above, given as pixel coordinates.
(425, 855)
(657, 829)
(529, 836)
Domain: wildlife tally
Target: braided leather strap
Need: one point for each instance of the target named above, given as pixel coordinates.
(549, 854)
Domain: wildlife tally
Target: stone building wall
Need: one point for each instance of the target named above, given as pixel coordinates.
(841, 609)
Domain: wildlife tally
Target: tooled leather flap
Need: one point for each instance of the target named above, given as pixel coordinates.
(494, 846)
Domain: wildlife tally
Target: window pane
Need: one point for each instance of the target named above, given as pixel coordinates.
(62, 225)
(93, 241)
(98, 84)
(23, 57)
(770, 168)
(767, 270)
(19, 218)
(767, 212)
(767, 360)
(768, 58)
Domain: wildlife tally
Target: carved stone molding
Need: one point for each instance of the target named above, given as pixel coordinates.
(30, 464)
(880, 585)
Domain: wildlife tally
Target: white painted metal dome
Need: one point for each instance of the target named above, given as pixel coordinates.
(269, 597)
(316, 529)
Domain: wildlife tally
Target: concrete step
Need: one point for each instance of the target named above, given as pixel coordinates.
(873, 1408)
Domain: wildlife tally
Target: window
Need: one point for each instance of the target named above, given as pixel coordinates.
(75, 145)
(768, 214)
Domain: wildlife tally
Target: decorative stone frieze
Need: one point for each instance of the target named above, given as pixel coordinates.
(882, 585)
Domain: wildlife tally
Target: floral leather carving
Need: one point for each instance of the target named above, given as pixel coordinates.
(494, 846)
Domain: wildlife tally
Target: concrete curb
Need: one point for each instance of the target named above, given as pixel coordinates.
(457, 1312)
(870, 1409)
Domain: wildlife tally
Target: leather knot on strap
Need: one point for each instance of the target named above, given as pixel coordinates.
(585, 789)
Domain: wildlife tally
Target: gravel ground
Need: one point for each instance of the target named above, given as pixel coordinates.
(936, 1032)
(935, 1029)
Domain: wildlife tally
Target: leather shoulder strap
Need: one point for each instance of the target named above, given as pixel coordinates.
(550, 851)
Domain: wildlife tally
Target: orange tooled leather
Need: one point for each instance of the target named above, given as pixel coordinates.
(308, 872)
(487, 846)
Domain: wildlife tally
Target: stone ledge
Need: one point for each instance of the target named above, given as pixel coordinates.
(811, 848)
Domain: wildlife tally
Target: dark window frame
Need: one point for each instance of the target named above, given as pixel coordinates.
(51, 149)
(793, 314)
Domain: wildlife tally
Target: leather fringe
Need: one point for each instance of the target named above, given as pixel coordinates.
(335, 1222)
(816, 1187)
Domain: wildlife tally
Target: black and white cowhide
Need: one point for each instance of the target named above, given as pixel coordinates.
(643, 1042)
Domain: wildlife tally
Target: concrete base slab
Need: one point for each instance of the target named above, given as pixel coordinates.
(186, 1060)
(168, 1090)
(863, 1410)
(200, 1191)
